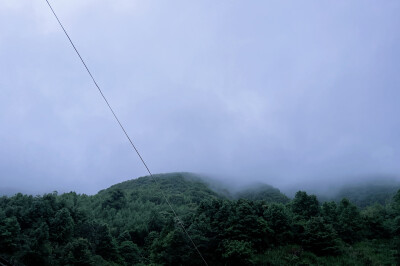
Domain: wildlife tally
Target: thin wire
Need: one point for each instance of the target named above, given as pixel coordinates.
(126, 134)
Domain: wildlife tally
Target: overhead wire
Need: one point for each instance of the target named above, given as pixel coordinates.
(127, 136)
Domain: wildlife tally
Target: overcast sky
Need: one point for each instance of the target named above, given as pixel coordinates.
(277, 91)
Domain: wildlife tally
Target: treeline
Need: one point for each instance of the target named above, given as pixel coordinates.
(130, 224)
(363, 195)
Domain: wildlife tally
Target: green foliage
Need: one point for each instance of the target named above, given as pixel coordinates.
(395, 204)
(130, 252)
(363, 195)
(172, 248)
(105, 244)
(305, 206)
(263, 192)
(77, 252)
(329, 212)
(350, 224)
(131, 224)
(61, 226)
(237, 252)
(320, 237)
(279, 220)
(9, 234)
(360, 254)
(116, 199)
(377, 222)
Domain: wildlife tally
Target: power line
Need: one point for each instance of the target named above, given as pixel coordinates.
(126, 134)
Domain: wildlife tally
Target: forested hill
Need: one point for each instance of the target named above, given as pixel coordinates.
(131, 224)
(362, 194)
(188, 188)
(179, 188)
(262, 192)
(369, 193)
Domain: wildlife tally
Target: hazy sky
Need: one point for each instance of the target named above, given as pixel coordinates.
(279, 91)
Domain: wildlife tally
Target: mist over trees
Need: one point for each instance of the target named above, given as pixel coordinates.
(131, 224)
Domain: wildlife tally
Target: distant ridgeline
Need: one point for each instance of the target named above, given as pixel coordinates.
(262, 192)
(366, 194)
(180, 189)
(189, 188)
(131, 224)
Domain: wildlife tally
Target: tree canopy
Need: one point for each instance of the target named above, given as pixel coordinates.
(131, 224)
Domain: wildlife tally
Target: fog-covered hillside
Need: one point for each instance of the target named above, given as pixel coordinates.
(131, 223)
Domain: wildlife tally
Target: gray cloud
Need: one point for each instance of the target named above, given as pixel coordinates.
(278, 92)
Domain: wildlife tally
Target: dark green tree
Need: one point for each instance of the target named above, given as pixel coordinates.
(329, 212)
(9, 234)
(350, 224)
(305, 206)
(395, 204)
(172, 248)
(130, 252)
(237, 252)
(116, 199)
(320, 237)
(61, 226)
(374, 218)
(37, 245)
(279, 221)
(105, 244)
(77, 252)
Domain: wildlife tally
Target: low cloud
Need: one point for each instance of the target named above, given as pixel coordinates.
(245, 91)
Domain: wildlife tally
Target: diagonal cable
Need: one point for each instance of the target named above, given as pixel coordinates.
(127, 136)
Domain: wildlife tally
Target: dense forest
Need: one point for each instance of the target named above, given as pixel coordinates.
(131, 224)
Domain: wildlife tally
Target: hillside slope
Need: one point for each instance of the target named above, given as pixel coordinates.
(179, 188)
(367, 194)
(262, 192)
(131, 224)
